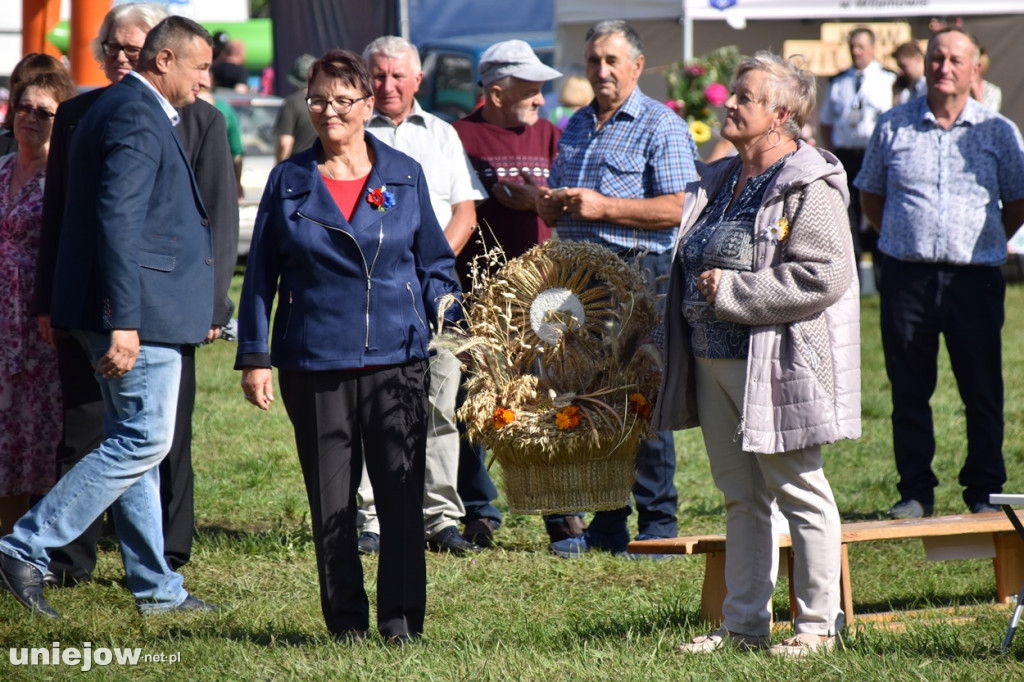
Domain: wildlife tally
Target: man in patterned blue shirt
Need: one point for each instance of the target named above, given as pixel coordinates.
(943, 180)
(623, 163)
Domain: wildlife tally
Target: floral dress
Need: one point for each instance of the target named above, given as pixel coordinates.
(30, 404)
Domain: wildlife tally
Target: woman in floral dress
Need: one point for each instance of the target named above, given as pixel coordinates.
(30, 410)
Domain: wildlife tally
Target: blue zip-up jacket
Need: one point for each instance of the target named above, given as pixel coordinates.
(350, 294)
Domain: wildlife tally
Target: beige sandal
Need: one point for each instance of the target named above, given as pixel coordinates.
(722, 638)
(803, 644)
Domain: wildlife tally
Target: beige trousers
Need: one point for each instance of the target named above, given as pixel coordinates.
(442, 506)
(753, 484)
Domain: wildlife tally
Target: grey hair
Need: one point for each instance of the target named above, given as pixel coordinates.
(788, 86)
(610, 27)
(145, 15)
(393, 47)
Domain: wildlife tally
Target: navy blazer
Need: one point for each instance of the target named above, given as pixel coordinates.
(350, 294)
(135, 249)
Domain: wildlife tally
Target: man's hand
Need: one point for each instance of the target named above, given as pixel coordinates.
(549, 205)
(585, 204)
(120, 357)
(258, 386)
(213, 334)
(518, 197)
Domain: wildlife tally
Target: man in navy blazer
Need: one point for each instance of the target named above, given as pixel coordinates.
(134, 281)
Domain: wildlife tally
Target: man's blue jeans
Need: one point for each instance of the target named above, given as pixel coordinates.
(121, 473)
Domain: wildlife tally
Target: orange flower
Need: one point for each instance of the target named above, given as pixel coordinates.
(503, 417)
(568, 418)
(639, 405)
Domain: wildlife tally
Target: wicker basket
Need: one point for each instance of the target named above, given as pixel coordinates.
(563, 379)
(536, 484)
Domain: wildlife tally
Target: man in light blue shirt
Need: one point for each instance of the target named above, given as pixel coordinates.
(623, 163)
(943, 181)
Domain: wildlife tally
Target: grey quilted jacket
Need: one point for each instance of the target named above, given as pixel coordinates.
(801, 301)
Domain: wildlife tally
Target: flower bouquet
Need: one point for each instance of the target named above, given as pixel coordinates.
(563, 378)
(698, 86)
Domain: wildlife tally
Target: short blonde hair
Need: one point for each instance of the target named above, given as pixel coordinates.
(576, 92)
(789, 86)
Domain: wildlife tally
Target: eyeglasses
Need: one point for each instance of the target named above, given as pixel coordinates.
(111, 50)
(24, 110)
(341, 105)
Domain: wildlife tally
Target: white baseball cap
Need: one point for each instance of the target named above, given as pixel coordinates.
(513, 58)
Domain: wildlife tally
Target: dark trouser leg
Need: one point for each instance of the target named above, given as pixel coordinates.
(83, 432)
(655, 490)
(973, 310)
(176, 480)
(322, 407)
(339, 416)
(910, 340)
(393, 413)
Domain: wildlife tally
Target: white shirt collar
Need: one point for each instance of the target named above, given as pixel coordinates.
(164, 104)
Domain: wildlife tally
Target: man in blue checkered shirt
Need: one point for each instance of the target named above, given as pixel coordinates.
(623, 162)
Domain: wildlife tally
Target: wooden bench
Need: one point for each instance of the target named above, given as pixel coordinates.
(945, 537)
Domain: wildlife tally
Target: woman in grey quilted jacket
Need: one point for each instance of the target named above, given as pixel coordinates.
(763, 352)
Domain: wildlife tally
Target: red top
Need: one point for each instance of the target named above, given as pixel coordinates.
(346, 193)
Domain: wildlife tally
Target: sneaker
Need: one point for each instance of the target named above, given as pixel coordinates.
(984, 508)
(368, 543)
(720, 639)
(574, 548)
(802, 645)
(909, 509)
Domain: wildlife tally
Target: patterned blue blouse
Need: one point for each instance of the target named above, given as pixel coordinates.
(721, 239)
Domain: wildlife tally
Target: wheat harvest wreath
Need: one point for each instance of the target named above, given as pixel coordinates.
(563, 374)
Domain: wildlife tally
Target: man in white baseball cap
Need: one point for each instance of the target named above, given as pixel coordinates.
(513, 58)
(512, 150)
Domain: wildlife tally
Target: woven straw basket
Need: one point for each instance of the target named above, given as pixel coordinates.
(562, 379)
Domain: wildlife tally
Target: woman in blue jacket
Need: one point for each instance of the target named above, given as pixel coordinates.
(346, 240)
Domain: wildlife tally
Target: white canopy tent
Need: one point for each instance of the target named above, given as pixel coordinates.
(766, 24)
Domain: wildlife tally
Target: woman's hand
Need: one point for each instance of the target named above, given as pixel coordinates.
(43, 320)
(258, 386)
(707, 284)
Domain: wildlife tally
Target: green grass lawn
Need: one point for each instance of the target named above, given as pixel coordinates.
(516, 612)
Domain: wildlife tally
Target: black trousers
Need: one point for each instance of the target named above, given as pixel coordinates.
(83, 431)
(340, 418)
(965, 304)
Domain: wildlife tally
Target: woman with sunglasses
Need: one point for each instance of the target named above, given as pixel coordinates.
(30, 423)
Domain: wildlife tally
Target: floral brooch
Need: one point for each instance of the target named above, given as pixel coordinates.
(777, 231)
(381, 198)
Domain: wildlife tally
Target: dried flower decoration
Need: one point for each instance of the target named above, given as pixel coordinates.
(639, 405)
(503, 417)
(568, 418)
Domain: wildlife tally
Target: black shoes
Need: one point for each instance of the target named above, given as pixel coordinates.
(368, 543)
(25, 582)
(61, 580)
(448, 540)
(479, 531)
